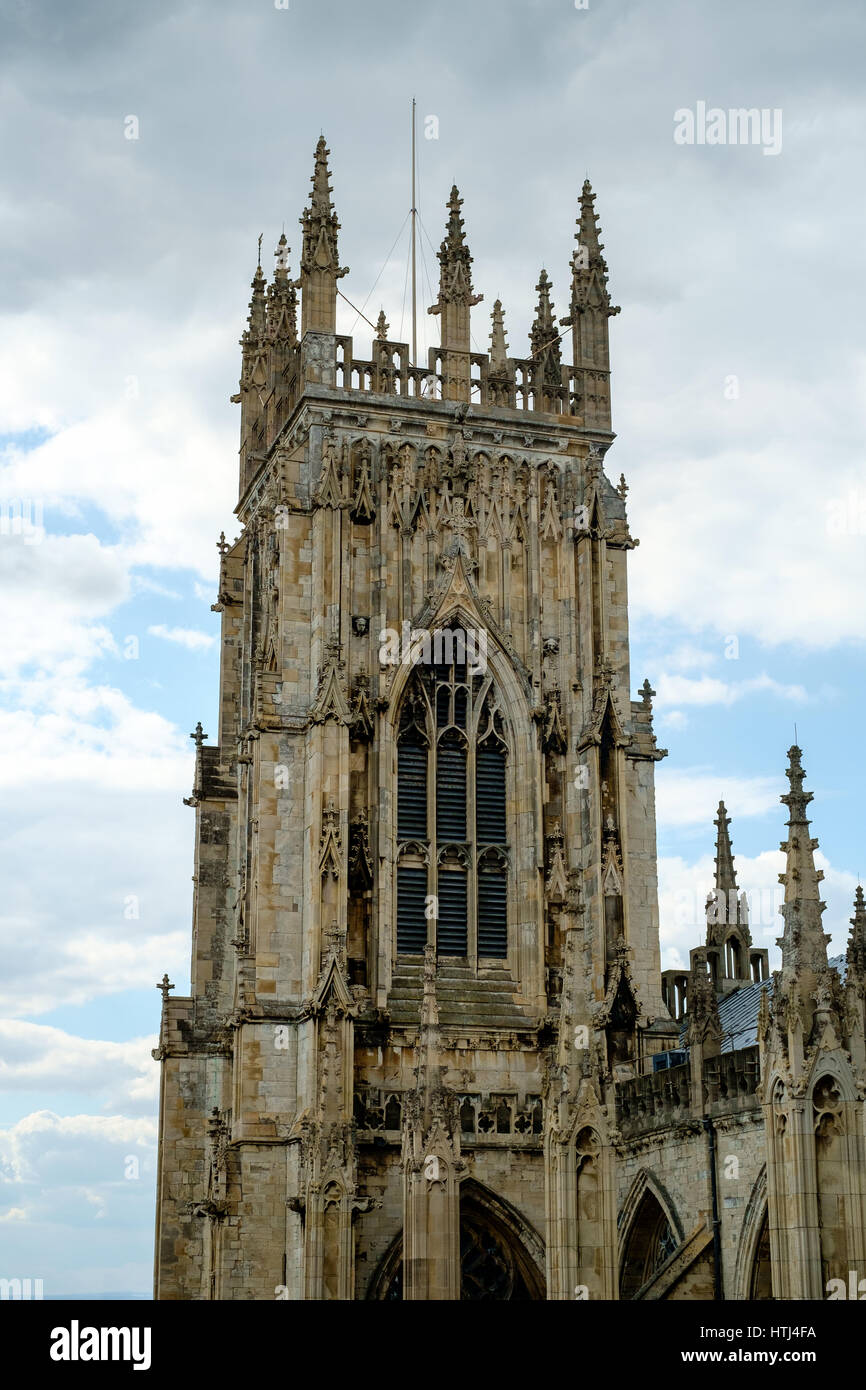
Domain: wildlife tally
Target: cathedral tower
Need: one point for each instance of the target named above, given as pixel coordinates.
(425, 924)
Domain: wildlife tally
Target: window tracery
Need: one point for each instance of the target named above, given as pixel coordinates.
(452, 850)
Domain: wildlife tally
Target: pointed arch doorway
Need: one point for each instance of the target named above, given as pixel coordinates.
(649, 1243)
(761, 1280)
(500, 1254)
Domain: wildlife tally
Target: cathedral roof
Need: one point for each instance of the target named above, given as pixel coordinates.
(738, 1012)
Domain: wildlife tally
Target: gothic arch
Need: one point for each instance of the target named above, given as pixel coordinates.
(525, 904)
(649, 1228)
(753, 1245)
(383, 1282)
(833, 1066)
(502, 1254)
(509, 675)
(525, 1242)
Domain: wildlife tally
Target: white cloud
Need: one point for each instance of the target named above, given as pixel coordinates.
(75, 1214)
(682, 690)
(146, 461)
(113, 914)
(764, 564)
(683, 796)
(183, 636)
(120, 1074)
(93, 735)
(42, 1142)
(54, 594)
(686, 656)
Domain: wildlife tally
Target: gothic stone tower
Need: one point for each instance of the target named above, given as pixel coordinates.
(425, 940)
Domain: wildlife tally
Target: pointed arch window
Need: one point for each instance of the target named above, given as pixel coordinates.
(452, 762)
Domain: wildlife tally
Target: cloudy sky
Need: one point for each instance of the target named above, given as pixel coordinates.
(738, 403)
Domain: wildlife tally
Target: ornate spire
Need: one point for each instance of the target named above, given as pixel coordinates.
(320, 260)
(254, 333)
(498, 345)
(588, 266)
(455, 276)
(857, 940)
(282, 300)
(803, 942)
(382, 327)
(254, 373)
(500, 372)
(726, 878)
(725, 907)
(589, 311)
(543, 337)
(456, 297)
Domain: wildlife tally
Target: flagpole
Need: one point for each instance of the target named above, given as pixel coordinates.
(414, 214)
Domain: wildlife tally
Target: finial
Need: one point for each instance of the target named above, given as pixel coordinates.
(858, 921)
(588, 266)
(623, 487)
(259, 259)
(804, 943)
(857, 940)
(498, 342)
(320, 260)
(198, 735)
(165, 985)
(646, 694)
(455, 281)
(726, 878)
(222, 544)
(796, 799)
(282, 253)
(543, 337)
(381, 327)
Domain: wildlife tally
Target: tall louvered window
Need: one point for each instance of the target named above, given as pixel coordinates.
(452, 852)
(490, 793)
(412, 791)
(492, 907)
(451, 790)
(411, 898)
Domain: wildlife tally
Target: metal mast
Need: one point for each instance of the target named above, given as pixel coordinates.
(414, 215)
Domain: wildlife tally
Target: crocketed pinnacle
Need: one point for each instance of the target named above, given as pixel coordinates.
(589, 268)
(319, 221)
(455, 276)
(857, 940)
(498, 345)
(543, 337)
(726, 878)
(258, 309)
(282, 300)
(803, 942)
